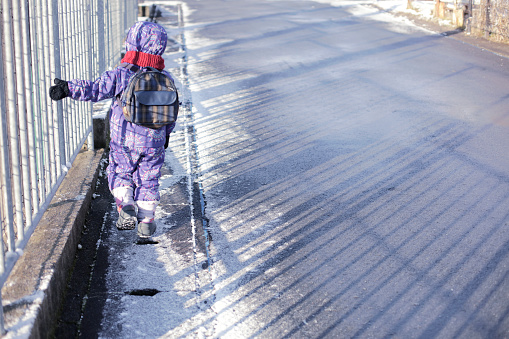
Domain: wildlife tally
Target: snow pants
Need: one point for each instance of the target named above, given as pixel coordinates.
(133, 178)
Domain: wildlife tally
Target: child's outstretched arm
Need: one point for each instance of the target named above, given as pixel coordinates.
(84, 90)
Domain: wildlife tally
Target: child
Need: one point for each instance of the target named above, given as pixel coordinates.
(136, 152)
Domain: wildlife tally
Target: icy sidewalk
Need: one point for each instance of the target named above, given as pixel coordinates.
(154, 287)
(129, 287)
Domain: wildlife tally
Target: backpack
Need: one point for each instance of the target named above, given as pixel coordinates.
(150, 99)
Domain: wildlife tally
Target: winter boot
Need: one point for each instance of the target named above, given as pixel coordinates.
(146, 229)
(127, 219)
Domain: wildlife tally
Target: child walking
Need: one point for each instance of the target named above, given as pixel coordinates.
(136, 152)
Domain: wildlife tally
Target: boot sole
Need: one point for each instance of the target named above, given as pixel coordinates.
(127, 219)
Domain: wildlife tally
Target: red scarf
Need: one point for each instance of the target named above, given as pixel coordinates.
(144, 59)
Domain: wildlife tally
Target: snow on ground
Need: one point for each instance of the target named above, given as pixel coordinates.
(422, 9)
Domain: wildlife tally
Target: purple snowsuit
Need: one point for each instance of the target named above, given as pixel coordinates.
(136, 152)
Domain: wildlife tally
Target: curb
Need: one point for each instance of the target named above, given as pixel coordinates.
(33, 293)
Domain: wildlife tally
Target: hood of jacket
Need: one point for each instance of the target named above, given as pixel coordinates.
(146, 37)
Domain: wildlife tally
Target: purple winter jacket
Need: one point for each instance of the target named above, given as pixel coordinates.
(143, 37)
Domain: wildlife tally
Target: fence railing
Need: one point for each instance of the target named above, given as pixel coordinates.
(39, 138)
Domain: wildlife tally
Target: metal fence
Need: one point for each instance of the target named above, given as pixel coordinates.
(39, 138)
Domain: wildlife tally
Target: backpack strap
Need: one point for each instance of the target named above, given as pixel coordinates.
(131, 67)
(136, 68)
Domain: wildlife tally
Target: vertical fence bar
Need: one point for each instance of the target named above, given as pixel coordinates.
(31, 128)
(53, 107)
(106, 34)
(49, 71)
(58, 119)
(88, 30)
(10, 84)
(101, 36)
(38, 108)
(93, 32)
(62, 19)
(43, 108)
(109, 38)
(83, 69)
(126, 14)
(69, 71)
(24, 181)
(4, 172)
(74, 67)
(79, 63)
(6, 214)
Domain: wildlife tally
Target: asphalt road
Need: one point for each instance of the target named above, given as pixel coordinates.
(356, 173)
(355, 176)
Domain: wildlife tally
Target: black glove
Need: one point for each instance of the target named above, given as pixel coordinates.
(167, 141)
(60, 90)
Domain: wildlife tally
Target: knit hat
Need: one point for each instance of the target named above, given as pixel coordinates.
(144, 44)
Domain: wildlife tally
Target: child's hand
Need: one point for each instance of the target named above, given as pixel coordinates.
(60, 90)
